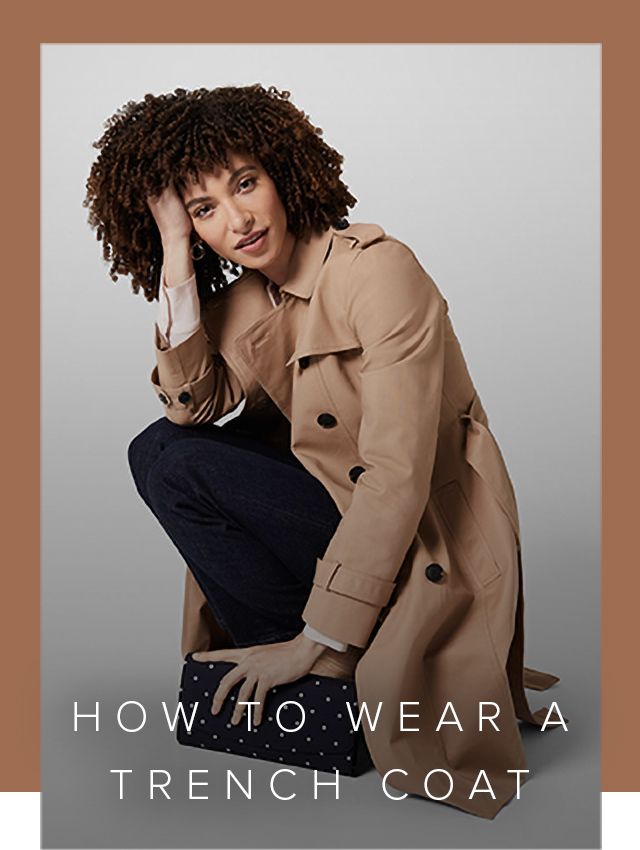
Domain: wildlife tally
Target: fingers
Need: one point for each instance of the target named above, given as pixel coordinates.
(220, 655)
(261, 667)
(243, 696)
(260, 696)
(168, 193)
(226, 683)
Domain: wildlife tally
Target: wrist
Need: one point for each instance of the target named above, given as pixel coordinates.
(311, 647)
(177, 261)
(176, 242)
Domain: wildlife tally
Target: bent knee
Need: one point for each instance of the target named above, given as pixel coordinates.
(192, 468)
(145, 449)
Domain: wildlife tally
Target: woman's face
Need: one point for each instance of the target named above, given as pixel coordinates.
(238, 213)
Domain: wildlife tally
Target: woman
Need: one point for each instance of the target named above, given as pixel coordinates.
(358, 508)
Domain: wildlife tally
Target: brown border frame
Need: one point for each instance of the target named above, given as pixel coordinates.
(613, 24)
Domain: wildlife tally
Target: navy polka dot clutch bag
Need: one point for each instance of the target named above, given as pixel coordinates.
(306, 723)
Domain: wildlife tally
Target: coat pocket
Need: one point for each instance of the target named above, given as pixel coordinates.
(470, 547)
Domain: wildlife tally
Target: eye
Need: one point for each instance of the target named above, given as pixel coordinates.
(247, 184)
(203, 211)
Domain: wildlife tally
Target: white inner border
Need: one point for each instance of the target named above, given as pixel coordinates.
(20, 820)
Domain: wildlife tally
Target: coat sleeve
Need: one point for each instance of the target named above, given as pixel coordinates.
(397, 313)
(193, 382)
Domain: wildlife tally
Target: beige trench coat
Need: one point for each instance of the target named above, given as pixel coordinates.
(363, 334)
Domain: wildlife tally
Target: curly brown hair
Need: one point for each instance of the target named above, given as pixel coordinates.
(184, 134)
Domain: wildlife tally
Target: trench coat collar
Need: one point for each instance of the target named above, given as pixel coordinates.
(308, 257)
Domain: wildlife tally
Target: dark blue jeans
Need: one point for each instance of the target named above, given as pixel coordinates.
(249, 521)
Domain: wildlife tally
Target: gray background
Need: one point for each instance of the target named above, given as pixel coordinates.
(485, 160)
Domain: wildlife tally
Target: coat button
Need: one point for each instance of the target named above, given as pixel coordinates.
(184, 398)
(342, 224)
(303, 363)
(356, 472)
(163, 398)
(327, 420)
(434, 572)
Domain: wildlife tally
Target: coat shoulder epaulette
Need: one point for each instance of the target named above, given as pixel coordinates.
(360, 235)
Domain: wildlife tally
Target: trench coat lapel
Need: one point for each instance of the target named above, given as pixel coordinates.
(309, 255)
(271, 346)
(266, 346)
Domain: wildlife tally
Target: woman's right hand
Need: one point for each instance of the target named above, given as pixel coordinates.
(175, 228)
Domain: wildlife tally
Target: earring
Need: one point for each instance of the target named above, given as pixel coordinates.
(197, 251)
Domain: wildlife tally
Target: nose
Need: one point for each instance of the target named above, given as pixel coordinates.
(240, 219)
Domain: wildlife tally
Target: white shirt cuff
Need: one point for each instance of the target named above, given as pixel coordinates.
(178, 310)
(314, 634)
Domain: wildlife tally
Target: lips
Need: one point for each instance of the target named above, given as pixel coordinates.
(251, 240)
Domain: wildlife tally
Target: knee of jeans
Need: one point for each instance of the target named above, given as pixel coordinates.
(187, 469)
(143, 451)
(177, 461)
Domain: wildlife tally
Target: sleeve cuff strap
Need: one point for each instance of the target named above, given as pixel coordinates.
(333, 577)
(344, 619)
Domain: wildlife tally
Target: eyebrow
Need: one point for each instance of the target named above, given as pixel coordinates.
(233, 177)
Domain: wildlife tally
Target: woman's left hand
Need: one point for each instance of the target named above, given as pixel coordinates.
(261, 667)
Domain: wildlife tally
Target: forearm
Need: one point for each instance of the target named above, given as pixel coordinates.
(193, 386)
(178, 310)
(177, 262)
(175, 228)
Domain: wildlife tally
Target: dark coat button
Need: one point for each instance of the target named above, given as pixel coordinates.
(356, 472)
(342, 224)
(303, 363)
(163, 398)
(327, 420)
(434, 572)
(184, 398)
